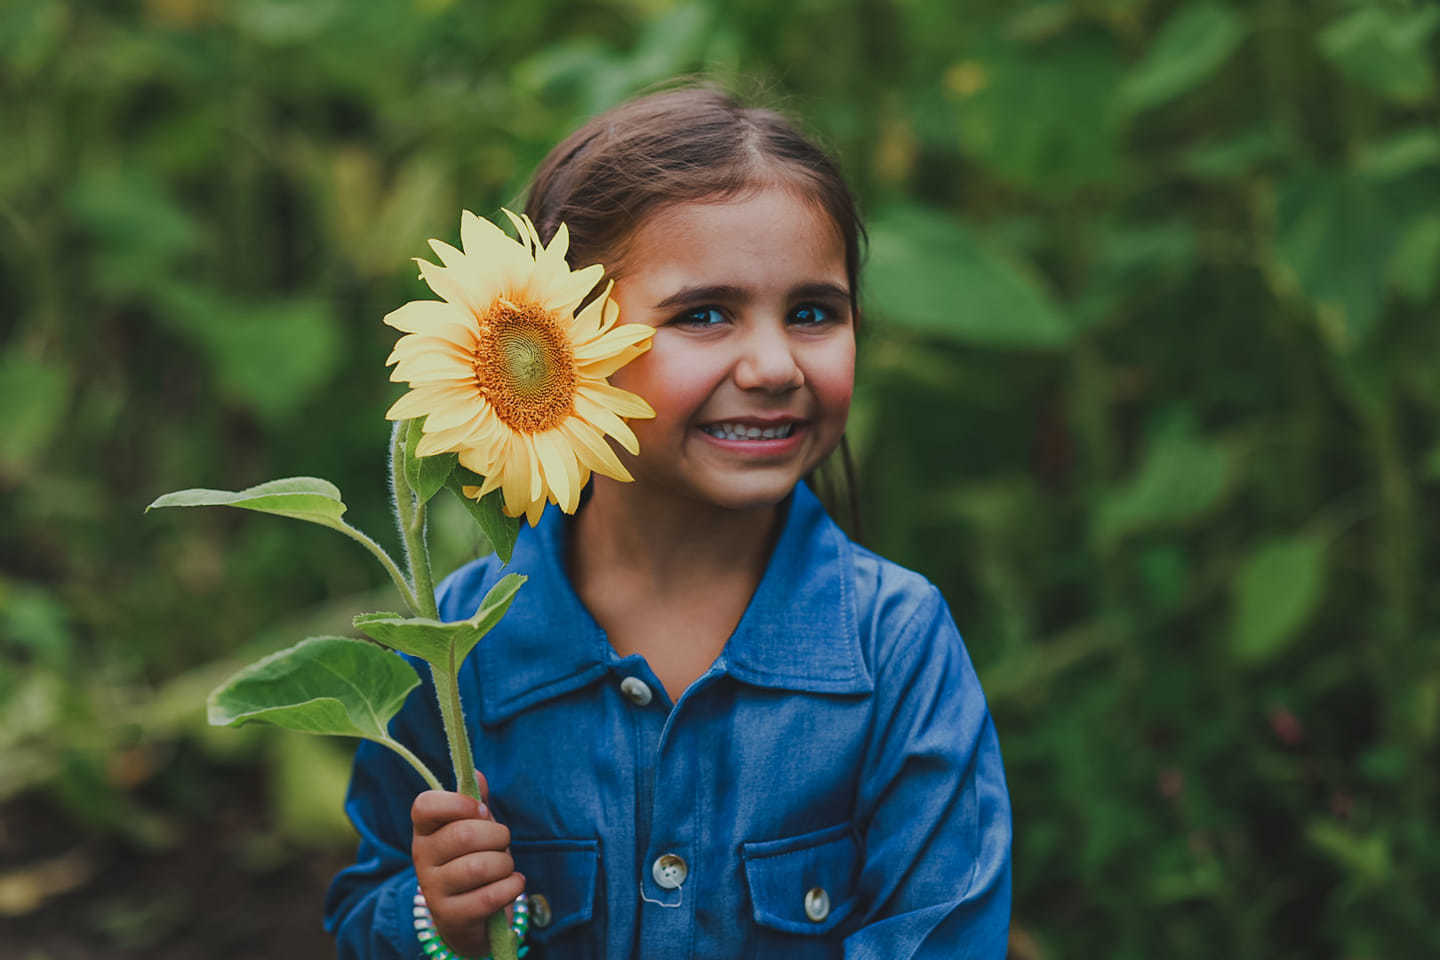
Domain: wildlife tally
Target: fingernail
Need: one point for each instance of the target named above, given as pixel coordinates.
(484, 811)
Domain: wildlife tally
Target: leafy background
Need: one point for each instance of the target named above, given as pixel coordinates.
(1149, 384)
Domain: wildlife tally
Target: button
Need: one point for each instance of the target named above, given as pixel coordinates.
(669, 871)
(637, 691)
(817, 904)
(539, 910)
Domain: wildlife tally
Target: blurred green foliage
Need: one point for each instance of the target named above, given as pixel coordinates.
(1149, 384)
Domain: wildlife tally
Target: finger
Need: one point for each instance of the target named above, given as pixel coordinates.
(461, 919)
(473, 871)
(434, 809)
(458, 838)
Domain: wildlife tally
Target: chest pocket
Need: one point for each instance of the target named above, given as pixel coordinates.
(803, 886)
(565, 874)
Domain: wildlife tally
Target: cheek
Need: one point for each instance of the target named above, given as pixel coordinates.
(832, 378)
(674, 382)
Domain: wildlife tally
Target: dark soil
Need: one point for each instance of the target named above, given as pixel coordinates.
(198, 875)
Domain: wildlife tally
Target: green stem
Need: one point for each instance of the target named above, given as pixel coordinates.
(447, 694)
(430, 779)
(411, 516)
(390, 566)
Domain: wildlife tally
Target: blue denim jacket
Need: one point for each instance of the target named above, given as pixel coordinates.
(831, 787)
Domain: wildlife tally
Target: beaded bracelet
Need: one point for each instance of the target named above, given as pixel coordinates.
(437, 949)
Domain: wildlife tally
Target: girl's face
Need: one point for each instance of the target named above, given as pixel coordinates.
(753, 361)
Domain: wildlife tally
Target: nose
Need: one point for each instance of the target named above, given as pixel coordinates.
(767, 362)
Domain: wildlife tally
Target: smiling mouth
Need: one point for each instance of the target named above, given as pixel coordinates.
(741, 431)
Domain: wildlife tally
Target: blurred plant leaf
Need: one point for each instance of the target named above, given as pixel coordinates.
(1334, 234)
(426, 475)
(441, 644)
(1414, 269)
(1401, 154)
(928, 273)
(308, 779)
(1181, 477)
(31, 31)
(1231, 158)
(139, 233)
(1276, 590)
(1386, 50)
(270, 356)
(334, 686)
(487, 512)
(34, 394)
(1366, 857)
(1193, 44)
(301, 498)
(1039, 119)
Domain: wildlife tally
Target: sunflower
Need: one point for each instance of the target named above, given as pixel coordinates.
(508, 375)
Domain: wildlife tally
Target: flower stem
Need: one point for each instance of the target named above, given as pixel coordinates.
(391, 568)
(411, 516)
(432, 781)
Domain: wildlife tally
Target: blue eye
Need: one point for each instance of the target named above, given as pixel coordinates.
(810, 315)
(701, 317)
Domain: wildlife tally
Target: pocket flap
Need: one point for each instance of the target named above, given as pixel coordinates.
(803, 884)
(563, 872)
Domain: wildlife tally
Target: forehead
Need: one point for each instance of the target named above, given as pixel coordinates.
(768, 238)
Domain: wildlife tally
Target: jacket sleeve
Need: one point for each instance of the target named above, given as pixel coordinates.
(933, 808)
(369, 908)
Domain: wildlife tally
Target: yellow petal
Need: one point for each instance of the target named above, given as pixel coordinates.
(448, 255)
(422, 400)
(602, 368)
(566, 290)
(524, 232)
(615, 340)
(534, 510)
(415, 345)
(430, 367)
(551, 452)
(448, 284)
(602, 418)
(592, 449)
(623, 402)
(586, 325)
(429, 317)
(515, 482)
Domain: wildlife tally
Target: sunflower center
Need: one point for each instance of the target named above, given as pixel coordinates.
(525, 366)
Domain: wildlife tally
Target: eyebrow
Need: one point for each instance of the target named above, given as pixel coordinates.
(725, 292)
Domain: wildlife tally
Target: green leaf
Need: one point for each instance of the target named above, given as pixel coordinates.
(1276, 591)
(301, 498)
(1041, 117)
(500, 530)
(1414, 269)
(1181, 477)
(929, 273)
(1194, 43)
(1401, 154)
(1387, 51)
(1334, 234)
(426, 475)
(335, 686)
(34, 395)
(435, 642)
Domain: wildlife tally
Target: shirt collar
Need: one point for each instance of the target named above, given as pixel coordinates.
(798, 633)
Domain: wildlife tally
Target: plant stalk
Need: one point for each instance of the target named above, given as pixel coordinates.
(411, 516)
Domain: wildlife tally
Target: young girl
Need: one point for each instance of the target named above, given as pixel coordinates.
(710, 725)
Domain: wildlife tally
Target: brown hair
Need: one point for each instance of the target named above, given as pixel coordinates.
(678, 146)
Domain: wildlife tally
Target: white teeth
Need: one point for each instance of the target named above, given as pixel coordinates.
(736, 431)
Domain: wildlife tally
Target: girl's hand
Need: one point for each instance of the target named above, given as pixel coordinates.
(462, 860)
